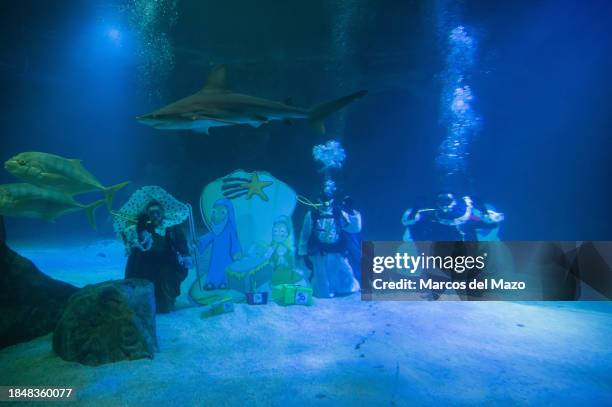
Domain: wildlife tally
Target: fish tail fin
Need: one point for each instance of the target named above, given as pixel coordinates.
(320, 112)
(109, 193)
(90, 211)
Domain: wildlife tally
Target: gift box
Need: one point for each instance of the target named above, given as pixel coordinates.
(292, 294)
(222, 306)
(257, 298)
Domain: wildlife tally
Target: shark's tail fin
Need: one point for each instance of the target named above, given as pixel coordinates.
(109, 193)
(320, 112)
(90, 211)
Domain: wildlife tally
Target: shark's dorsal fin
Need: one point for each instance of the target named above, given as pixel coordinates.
(216, 80)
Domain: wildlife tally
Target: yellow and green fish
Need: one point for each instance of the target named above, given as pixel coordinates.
(62, 174)
(31, 201)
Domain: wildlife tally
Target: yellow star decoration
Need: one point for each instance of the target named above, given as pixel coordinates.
(255, 187)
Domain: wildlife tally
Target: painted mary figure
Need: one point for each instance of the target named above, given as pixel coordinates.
(223, 239)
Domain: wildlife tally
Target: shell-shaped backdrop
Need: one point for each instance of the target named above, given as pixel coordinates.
(258, 198)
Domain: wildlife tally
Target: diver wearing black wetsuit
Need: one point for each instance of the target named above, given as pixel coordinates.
(452, 220)
(452, 224)
(163, 260)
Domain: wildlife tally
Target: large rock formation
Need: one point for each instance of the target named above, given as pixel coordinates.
(31, 302)
(108, 322)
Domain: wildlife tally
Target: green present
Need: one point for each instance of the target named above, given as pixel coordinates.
(292, 294)
(222, 306)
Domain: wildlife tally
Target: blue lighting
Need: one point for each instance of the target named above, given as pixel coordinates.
(114, 35)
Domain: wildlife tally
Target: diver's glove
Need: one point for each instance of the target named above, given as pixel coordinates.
(348, 204)
(145, 241)
(410, 217)
(495, 217)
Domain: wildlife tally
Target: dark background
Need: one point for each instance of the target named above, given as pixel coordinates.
(542, 84)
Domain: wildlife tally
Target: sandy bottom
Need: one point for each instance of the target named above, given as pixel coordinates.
(338, 352)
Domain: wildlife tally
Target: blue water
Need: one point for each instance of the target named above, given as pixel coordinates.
(75, 76)
(529, 133)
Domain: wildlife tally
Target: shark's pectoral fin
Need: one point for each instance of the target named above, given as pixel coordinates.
(288, 122)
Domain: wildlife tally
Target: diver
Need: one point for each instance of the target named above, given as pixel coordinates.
(324, 247)
(161, 257)
(486, 220)
(452, 224)
(353, 238)
(452, 219)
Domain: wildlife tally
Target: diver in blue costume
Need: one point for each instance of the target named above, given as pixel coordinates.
(324, 248)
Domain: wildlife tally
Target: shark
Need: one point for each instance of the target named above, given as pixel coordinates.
(215, 106)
